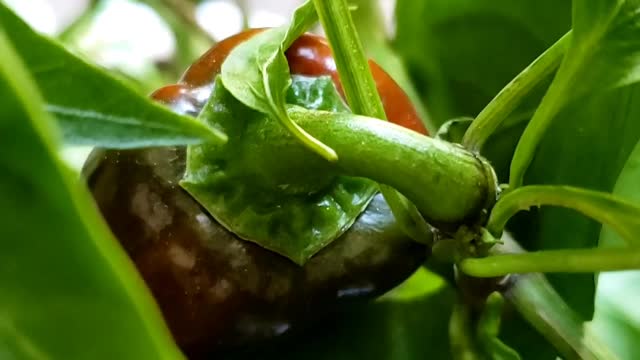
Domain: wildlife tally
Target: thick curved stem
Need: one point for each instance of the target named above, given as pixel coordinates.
(360, 90)
(448, 184)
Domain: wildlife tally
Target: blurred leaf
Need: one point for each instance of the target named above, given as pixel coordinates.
(93, 107)
(626, 187)
(67, 289)
(604, 53)
(538, 302)
(460, 53)
(617, 318)
(606, 45)
(578, 150)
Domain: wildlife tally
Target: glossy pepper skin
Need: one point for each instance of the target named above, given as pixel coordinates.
(216, 291)
(309, 55)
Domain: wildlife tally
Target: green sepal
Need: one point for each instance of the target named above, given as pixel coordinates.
(295, 215)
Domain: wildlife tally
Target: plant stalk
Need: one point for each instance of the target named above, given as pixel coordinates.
(540, 305)
(512, 95)
(620, 215)
(363, 98)
(563, 261)
(453, 190)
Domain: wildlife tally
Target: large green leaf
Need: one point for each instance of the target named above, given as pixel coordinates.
(579, 150)
(617, 319)
(462, 52)
(577, 147)
(93, 107)
(604, 53)
(67, 290)
(606, 44)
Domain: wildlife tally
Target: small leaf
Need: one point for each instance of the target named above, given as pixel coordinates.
(296, 213)
(620, 215)
(453, 130)
(93, 107)
(256, 72)
(68, 291)
(626, 187)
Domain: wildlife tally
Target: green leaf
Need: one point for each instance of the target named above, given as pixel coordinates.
(604, 53)
(626, 187)
(93, 107)
(622, 216)
(578, 150)
(256, 72)
(606, 47)
(68, 290)
(616, 318)
(295, 214)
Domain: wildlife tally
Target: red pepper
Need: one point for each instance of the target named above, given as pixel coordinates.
(309, 55)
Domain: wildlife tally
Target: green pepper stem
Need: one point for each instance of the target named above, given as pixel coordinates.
(512, 95)
(607, 209)
(363, 98)
(565, 261)
(448, 184)
(540, 305)
(371, 29)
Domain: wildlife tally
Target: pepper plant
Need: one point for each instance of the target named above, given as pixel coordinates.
(532, 169)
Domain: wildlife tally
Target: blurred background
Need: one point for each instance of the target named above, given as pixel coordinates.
(455, 54)
(150, 43)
